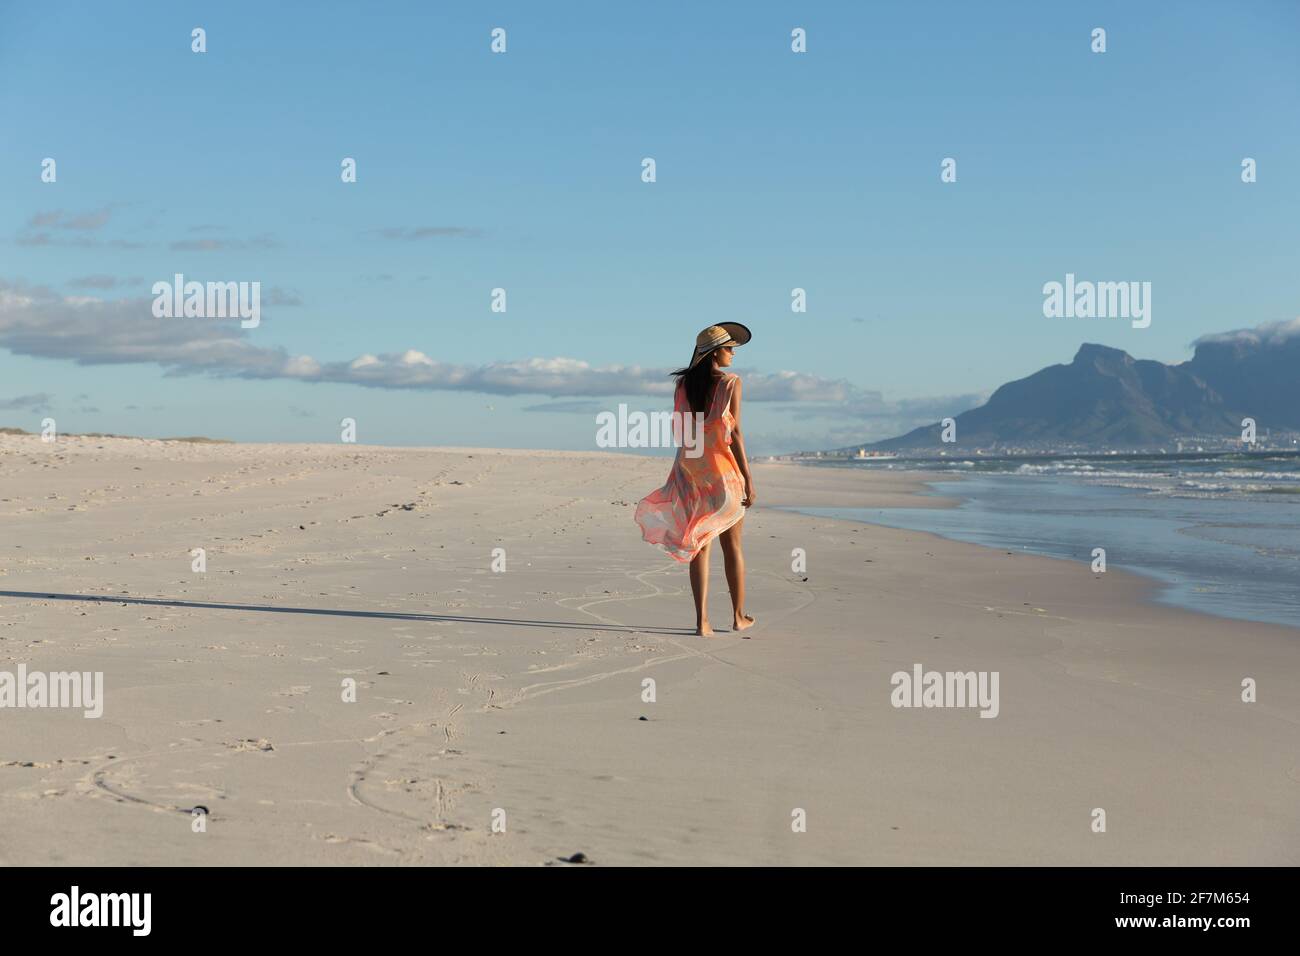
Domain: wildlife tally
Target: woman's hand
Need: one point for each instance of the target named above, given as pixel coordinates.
(748, 500)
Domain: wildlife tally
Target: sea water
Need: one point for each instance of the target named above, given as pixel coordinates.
(1220, 533)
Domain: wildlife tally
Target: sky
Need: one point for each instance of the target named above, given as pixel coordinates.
(523, 171)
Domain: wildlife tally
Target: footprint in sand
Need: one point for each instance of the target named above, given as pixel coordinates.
(261, 744)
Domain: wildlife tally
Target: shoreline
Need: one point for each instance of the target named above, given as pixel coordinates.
(523, 691)
(927, 499)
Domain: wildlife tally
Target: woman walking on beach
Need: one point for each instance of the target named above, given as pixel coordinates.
(709, 486)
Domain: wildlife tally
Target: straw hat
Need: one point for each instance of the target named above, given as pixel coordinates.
(715, 337)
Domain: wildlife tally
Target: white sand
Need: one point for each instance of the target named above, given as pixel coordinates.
(522, 690)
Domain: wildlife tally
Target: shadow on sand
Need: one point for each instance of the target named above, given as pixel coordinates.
(382, 615)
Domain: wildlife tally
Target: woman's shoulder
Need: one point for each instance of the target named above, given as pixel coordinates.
(725, 383)
(728, 386)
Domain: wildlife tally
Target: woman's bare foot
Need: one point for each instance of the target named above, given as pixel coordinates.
(704, 630)
(742, 622)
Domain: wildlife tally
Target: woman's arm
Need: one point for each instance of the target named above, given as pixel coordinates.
(738, 446)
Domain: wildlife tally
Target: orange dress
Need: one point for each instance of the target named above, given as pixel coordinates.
(703, 495)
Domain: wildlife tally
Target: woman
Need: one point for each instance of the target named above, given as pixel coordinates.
(707, 493)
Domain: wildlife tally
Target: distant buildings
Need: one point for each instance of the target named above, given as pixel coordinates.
(1274, 441)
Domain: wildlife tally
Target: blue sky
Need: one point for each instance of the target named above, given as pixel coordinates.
(775, 170)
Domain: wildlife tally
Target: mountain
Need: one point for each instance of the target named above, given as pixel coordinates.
(1107, 398)
(1257, 372)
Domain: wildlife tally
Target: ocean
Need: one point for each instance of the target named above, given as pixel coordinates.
(1220, 533)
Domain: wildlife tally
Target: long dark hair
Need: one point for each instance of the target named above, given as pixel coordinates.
(698, 381)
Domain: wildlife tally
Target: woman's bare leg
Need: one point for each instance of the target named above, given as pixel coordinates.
(700, 590)
(733, 560)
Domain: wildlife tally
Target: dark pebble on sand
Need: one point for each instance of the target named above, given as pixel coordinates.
(576, 858)
(643, 718)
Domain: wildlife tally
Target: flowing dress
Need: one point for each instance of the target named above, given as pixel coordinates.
(703, 495)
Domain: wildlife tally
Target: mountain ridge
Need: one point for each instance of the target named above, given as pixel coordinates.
(1105, 397)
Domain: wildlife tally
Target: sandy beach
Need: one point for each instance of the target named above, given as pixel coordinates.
(521, 690)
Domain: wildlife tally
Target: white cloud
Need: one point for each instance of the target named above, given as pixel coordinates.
(1270, 333)
(93, 331)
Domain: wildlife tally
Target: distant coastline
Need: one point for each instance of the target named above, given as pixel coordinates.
(196, 439)
(1187, 450)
